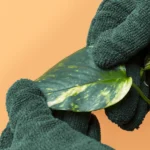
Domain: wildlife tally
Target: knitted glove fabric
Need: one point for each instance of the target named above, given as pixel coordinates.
(6, 137)
(73, 119)
(35, 128)
(78, 121)
(117, 45)
(130, 112)
(111, 16)
(91, 126)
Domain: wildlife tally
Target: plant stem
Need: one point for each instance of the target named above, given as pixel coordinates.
(141, 72)
(141, 93)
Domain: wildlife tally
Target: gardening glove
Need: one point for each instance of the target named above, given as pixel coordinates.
(119, 30)
(6, 137)
(84, 122)
(117, 45)
(91, 126)
(109, 15)
(33, 125)
(130, 112)
(77, 121)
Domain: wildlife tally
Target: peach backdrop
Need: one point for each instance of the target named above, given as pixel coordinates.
(35, 35)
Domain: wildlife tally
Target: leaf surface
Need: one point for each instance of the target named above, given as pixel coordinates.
(76, 83)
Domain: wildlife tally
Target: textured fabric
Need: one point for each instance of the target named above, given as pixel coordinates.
(119, 34)
(84, 122)
(118, 44)
(34, 127)
(109, 15)
(131, 111)
(74, 120)
(6, 137)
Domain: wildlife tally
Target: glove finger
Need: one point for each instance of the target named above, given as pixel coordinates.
(96, 24)
(25, 104)
(123, 111)
(107, 17)
(6, 137)
(22, 84)
(141, 111)
(94, 130)
(77, 120)
(18, 87)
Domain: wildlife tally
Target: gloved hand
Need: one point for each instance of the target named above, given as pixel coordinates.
(84, 122)
(78, 121)
(34, 127)
(120, 34)
(119, 43)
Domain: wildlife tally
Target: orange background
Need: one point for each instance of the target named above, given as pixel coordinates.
(35, 35)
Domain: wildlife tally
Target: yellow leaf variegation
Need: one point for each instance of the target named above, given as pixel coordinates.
(76, 83)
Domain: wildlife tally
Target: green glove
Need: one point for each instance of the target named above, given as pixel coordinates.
(131, 111)
(6, 137)
(34, 127)
(84, 122)
(109, 15)
(74, 120)
(117, 45)
(118, 32)
(77, 121)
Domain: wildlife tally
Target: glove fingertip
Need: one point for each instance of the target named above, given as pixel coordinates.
(23, 84)
(19, 85)
(104, 60)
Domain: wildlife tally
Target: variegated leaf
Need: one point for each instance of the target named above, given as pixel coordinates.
(76, 83)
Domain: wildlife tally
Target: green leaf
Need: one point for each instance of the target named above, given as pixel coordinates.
(144, 73)
(147, 62)
(141, 93)
(76, 83)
